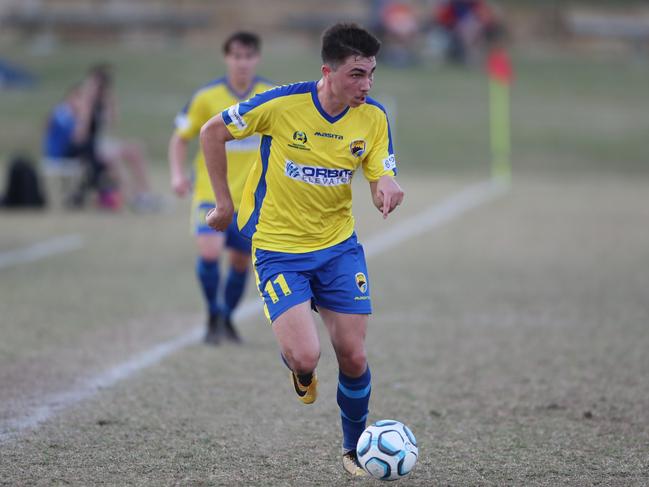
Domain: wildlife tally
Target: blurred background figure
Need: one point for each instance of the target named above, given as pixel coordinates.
(399, 29)
(458, 27)
(76, 146)
(242, 54)
(66, 144)
(112, 158)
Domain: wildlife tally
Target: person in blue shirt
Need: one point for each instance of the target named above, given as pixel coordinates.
(66, 133)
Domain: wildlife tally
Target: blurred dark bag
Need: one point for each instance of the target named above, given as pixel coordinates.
(23, 187)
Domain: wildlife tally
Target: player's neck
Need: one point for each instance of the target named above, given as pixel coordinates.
(329, 103)
(239, 86)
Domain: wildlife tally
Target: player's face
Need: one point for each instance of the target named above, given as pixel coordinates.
(352, 81)
(241, 62)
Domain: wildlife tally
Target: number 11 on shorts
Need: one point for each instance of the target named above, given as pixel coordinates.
(283, 285)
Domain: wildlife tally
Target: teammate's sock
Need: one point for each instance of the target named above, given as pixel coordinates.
(207, 272)
(234, 287)
(353, 399)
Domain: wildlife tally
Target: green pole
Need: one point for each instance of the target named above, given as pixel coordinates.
(501, 168)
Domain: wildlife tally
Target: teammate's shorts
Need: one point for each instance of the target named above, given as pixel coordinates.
(334, 278)
(234, 239)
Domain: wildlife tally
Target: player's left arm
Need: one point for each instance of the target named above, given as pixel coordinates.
(380, 168)
(213, 136)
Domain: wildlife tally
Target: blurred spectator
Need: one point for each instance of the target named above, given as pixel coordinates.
(399, 29)
(76, 132)
(113, 154)
(462, 25)
(66, 144)
(68, 124)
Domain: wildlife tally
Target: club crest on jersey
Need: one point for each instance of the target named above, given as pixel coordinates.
(299, 141)
(300, 137)
(361, 282)
(357, 147)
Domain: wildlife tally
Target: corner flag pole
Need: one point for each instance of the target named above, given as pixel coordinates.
(500, 77)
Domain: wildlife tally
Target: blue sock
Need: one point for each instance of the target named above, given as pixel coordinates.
(207, 272)
(353, 399)
(234, 287)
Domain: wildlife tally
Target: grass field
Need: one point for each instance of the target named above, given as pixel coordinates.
(512, 338)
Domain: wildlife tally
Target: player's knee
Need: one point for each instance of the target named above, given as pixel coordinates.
(210, 254)
(353, 363)
(303, 361)
(239, 261)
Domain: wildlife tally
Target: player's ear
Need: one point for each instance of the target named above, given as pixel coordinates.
(326, 70)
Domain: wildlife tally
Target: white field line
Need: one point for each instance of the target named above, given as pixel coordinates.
(57, 245)
(434, 216)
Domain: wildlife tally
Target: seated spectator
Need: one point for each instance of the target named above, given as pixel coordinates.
(66, 133)
(75, 131)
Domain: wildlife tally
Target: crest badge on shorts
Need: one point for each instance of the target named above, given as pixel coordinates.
(361, 282)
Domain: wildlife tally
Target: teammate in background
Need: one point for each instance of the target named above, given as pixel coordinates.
(242, 55)
(296, 207)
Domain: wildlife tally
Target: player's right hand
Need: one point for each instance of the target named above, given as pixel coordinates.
(181, 185)
(220, 217)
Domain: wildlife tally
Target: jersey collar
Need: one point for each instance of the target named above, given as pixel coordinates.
(325, 115)
(236, 94)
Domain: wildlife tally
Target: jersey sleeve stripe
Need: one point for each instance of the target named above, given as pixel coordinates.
(266, 96)
(373, 102)
(226, 117)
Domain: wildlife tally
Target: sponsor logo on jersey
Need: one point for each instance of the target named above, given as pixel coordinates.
(327, 135)
(361, 282)
(390, 162)
(320, 176)
(237, 119)
(357, 147)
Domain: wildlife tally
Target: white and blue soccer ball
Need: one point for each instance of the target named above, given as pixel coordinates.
(387, 450)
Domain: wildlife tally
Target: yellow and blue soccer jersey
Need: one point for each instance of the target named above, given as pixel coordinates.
(204, 104)
(298, 197)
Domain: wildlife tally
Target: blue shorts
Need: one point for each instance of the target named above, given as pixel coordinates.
(334, 278)
(234, 239)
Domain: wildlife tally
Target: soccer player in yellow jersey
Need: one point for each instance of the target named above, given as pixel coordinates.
(242, 54)
(296, 207)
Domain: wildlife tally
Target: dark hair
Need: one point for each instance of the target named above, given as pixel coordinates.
(248, 39)
(103, 73)
(343, 40)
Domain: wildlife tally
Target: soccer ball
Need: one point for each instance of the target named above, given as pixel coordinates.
(387, 450)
